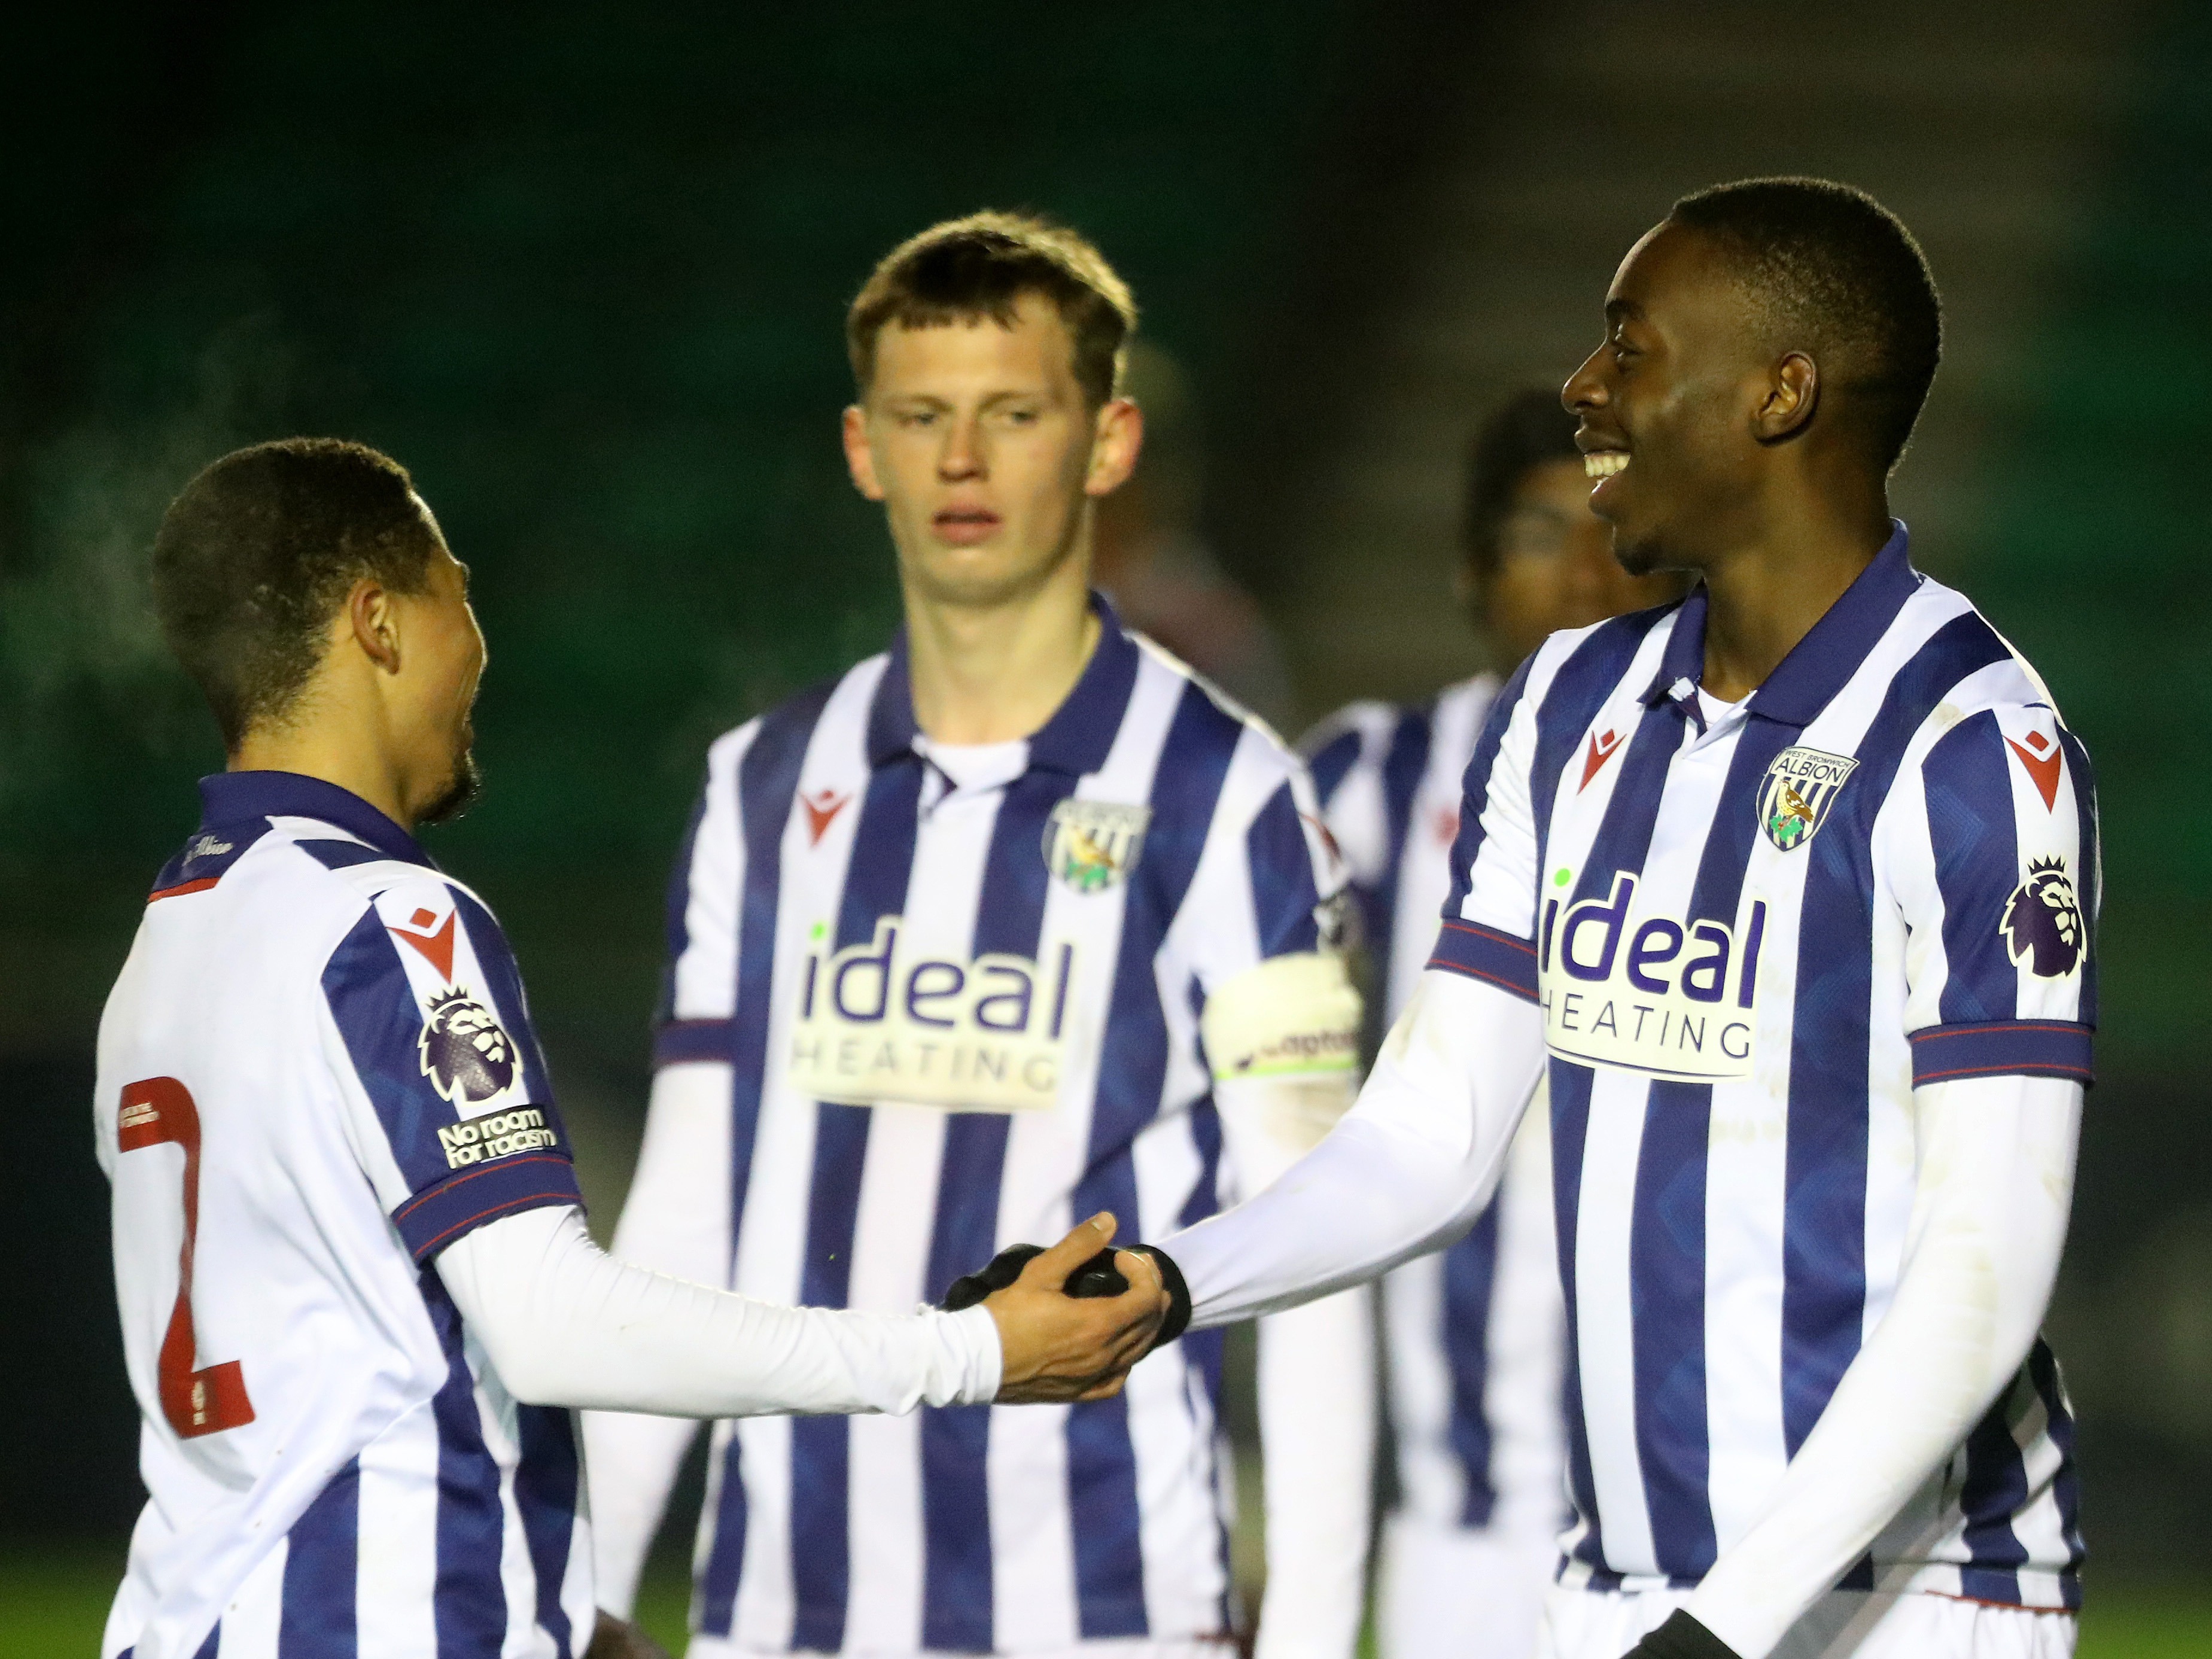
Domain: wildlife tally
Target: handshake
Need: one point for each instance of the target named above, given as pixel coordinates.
(1072, 1319)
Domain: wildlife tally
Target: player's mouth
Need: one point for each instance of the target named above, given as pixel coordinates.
(1604, 463)
(964, 526)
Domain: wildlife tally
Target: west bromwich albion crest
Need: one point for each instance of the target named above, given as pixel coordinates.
(1092, 844)
(1800, 787)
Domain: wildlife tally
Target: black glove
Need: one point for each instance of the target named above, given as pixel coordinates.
(1097, 1276)
(1681, 1638)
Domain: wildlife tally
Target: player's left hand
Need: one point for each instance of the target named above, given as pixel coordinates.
(1056, 1347)
(1681, 1638)
(617, 1638)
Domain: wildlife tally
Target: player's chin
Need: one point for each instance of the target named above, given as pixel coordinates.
(460, 792)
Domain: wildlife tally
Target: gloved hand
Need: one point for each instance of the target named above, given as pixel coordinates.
(1681, 1638)
(1097, 1276)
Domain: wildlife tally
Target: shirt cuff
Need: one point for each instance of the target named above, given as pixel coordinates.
(974, 1335)
(1484, 954)
(461, 1203)
(2002, 1047)
(680, 1040)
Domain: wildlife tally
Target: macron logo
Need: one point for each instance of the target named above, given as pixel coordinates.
(1600, 751)
(2039, 755)
(822, 806)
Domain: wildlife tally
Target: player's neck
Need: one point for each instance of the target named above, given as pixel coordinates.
(992, 673)
(338, 746)
(1765, 596)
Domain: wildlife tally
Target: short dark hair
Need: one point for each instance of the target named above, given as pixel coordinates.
(965, 269)
(258, 551)
(1829, 264)
(1528, 429)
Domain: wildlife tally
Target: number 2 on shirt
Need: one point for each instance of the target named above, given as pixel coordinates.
(157, 1112)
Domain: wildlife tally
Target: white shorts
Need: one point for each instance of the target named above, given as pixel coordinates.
(1453, 1593)
(1111, 1647)
(1581, 1623)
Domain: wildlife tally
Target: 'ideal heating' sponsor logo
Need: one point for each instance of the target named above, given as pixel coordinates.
(500, 1136)
(876, 1024)
(1648, 993)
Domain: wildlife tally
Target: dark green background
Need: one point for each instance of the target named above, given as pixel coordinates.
(583, 267)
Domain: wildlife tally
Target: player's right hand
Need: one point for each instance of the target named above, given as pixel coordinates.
(1056, 1347)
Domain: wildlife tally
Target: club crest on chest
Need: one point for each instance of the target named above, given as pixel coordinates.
(1092, 845)
(1800, 787)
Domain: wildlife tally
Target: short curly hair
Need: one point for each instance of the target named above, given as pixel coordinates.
(256, 554)
(965, 269)
(1826, 265)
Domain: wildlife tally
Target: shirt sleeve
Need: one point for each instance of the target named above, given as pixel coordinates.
(452, 1105)
(1489, 922)
(1994, 854)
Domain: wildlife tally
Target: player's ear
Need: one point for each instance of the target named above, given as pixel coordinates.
(372, 620)
(1117, 433)
(1792, 393)
(859, 459)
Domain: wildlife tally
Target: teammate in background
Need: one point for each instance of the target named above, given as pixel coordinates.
(355, 1283)
(1796, 882)
(1015, 921)
(1473, 1332)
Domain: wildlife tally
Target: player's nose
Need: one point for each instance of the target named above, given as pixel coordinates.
(1585, 388)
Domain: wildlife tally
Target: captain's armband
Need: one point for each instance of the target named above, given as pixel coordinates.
(1290, 1016)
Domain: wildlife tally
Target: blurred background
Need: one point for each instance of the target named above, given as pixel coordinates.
(583, 267)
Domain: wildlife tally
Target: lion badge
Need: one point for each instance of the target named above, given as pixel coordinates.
(2042, 923)
(465, 1054)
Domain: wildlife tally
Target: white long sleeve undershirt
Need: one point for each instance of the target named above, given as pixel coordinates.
(1317, 1396)
(566, 1324)
(1417, 1156)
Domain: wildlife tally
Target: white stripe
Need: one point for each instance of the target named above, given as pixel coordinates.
(1604, 1303)
(395, 1607)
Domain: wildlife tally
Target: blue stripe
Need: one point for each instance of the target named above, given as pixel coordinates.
(957, 1582)
(1667, 1289)
(767, 784)
(339, 855)
(1994, 1490)
(1332, 763)
(322, 1564)
(875, 886)
(1666, 1225)
(1470, 1274)
(468, 1598)
(1102, 1465)
(1824, 1213)
(370, 999)
(2066, 1484)
(1403, 764)
(718, 1575)
(1975, 843)
(545, 1484)
(1570, 1105)
(503, 989)
(1284, 896)
(2014, 1048)
(2089, 871)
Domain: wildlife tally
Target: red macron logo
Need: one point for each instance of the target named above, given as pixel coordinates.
(1600, 751)
(2039, 755)
(436, 948)
(822, 806)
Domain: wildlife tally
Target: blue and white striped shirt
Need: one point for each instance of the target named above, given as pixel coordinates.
(317, 1070)
(1751, 940)
(961, 1008)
